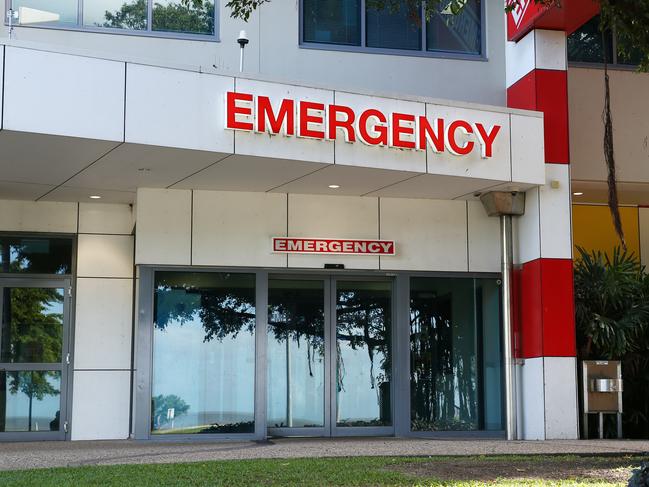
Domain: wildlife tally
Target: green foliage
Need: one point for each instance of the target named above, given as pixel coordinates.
(611, 307)
(629, 19)
(129, 16)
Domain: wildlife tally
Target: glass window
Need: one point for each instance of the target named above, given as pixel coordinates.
(400, 29)
(30, 400)
(586, 44)
(116, 14)
(32, 325)
(393, 25)
(173, 16)
(454, 354)
(203, 353)
(35, 255)
(332, 21)
(189, 18)
(364, 365)
(296, 350)
(66, 9)
(456, 33)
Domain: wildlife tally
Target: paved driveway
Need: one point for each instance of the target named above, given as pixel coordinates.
(76, 453)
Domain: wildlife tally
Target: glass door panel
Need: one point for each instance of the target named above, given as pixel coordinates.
(31, 400)
(32, 325)
(296, 355)
(33, 358)
(443, 355)
(203, 353)
(363, 332)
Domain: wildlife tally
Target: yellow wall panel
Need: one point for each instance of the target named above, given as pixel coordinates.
(592, 229)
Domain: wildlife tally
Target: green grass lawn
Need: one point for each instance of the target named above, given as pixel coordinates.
(363, 471)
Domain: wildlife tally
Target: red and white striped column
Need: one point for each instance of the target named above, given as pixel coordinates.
(544, 332)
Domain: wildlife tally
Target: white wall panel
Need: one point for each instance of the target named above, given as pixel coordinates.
(100, 405)
(428, 234)
(561, 410)
(472, 165)
(173, 108)
(333, 217)
(30, 216)
(519, 58)
(103, 323)
(59, 94)
(107, 219)
(484, 239)
(164, 220)
(235, 229)
(550, 49)
(532, 400)
(528, 152)
(360, 154)
(643, 224)
(526, 229)
(556, 233)
(105, 256)
(280, 146)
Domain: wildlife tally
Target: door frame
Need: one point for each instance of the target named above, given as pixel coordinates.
(330, 428)
(65, 366)
(142, 383)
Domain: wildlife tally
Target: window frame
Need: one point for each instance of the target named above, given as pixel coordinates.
(148, 32)
(423, 52)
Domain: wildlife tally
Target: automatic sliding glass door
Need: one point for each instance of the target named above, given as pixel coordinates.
(329, 357)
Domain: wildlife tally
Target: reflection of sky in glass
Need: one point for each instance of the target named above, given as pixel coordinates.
(359, 401)
(67, 9)
(215, 378)
(307, 384)
(43, 411)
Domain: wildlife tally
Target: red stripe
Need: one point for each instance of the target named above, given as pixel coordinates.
(545, 314)
(546, 91)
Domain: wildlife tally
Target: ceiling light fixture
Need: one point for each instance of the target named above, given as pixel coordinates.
(577, 193)
(95, 197)
(334, 186)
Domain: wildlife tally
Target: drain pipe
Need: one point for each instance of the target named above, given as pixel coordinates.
(505, 205)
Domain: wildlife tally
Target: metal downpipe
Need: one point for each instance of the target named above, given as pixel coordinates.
(508, 358)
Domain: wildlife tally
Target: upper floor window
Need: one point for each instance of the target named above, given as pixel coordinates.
(588, 45)
(355, 23)
(197, 17)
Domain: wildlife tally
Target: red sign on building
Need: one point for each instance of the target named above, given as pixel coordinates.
(332, 246)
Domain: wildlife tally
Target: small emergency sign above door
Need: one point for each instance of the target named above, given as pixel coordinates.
(333, 246)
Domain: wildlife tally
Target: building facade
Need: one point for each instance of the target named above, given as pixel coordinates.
(297, 249)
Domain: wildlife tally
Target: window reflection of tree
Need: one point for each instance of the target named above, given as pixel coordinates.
(364, 322)
(298, 315)
(31, 332)
(442, 373)
(223, 305)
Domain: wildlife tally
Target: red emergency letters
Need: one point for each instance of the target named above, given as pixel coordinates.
(252, 113)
